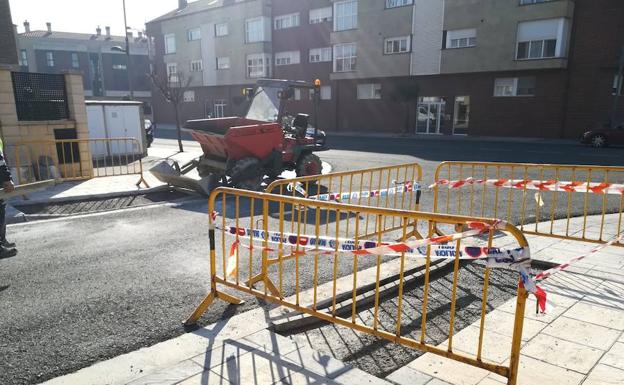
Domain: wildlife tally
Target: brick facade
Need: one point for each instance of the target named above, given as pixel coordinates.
(571, 93)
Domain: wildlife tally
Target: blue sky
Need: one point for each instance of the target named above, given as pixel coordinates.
(86, 15)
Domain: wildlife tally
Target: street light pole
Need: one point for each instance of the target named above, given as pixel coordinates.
(129, 61)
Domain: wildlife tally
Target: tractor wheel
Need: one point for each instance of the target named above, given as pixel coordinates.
(247, 174)
(309, 165)
(599, 141)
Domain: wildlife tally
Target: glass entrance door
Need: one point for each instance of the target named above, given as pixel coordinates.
(430, 115)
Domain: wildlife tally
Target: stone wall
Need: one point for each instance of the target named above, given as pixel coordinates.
(28, 143)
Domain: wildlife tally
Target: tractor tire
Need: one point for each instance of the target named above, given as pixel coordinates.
(599, 141)
(309, 165)
(247, 174)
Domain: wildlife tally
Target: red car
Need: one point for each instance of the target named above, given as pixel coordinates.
(604, 136)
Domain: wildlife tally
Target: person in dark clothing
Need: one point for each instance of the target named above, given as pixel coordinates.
(7, 249)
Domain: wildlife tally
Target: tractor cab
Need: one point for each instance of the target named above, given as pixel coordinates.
(274, 101)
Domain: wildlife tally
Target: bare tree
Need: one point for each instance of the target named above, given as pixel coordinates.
(172, 87)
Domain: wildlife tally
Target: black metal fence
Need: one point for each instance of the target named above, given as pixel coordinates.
(40, 96)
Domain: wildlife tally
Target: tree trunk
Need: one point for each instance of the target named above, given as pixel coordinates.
(178, 129)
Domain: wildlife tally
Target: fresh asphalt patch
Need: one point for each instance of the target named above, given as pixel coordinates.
(94, 205)
(381, 357)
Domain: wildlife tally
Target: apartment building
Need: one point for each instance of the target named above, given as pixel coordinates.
(535, 68)
(8, 53)
(99, 56)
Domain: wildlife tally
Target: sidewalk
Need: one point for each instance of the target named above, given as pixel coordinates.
(453, 138)
(579, 341)
(101, 187)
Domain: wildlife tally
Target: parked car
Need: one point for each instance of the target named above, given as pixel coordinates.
(604, 136)
(149, 132)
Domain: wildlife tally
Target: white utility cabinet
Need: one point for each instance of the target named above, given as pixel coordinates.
(113, 120)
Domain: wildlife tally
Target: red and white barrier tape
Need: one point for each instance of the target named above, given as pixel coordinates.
(518, 259)
(563, 266)
(401, 188)
(345, 245)
(549, 185)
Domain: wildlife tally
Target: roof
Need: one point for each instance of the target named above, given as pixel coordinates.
(192, 7)
(74, 36)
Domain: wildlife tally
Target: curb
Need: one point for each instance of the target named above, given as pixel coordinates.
(452, 138)
(30, 218)
(79, 198)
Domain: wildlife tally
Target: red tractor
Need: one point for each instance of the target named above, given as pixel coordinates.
(240, 152)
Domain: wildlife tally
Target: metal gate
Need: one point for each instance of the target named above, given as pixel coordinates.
(246, 228)
(541, 199)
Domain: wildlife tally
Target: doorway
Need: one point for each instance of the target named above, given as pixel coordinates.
(430, 115)
(461, 115)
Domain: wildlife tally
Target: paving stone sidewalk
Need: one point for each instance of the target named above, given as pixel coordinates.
(580, 340)
(101, 187)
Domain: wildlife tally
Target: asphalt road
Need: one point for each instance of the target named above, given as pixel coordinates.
(89, 288)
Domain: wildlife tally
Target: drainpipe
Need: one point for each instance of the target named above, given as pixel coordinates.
(618, 88)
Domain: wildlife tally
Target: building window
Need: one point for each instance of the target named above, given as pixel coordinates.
(461, 38)
(197, 65)
(50, 59)
(257, 65)
(369, 91)
(170, 43)
(286, 21)
(219, 108)
(397, 45)
(75, 60)
(320, 15)
(254, 30)
(318, 55)
(345, 57)
(618, 85)
(193, 34)
(297, 94)
(188, 96)
(221, 29)
(504, 87)
(527, 2)
(23, 58)
(223, 63)
(172, 72)
(325, 92)
(537, 49)
(346, 13)
(397, 3)
(286, 58)
(542, 39)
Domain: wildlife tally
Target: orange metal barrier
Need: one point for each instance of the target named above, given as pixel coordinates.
(303, 234)
(560, 206)
(393, 187)
(75, 159)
